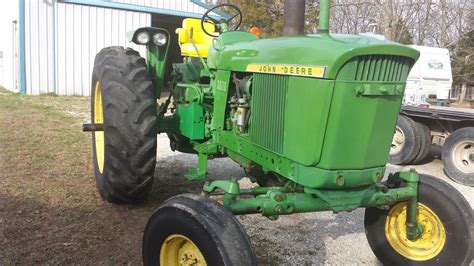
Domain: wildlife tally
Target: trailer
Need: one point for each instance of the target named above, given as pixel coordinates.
(430, 80)
(452, 128)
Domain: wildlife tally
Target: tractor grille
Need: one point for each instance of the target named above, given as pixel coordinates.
(268, 111)
(378, 68)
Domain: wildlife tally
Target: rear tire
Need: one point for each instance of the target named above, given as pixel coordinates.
(458, 156)
(406, 142)
(124, 100)
(444, 213)
(199, 227)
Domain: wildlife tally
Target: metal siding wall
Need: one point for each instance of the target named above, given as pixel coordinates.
(81, 32)
(38, 47)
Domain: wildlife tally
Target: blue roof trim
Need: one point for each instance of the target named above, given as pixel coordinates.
(53, 48)
(207, 6)
(22, 50)
(130, 7)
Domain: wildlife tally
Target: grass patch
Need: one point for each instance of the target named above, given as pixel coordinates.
(3, 90)
(50, 211)
(37, 137)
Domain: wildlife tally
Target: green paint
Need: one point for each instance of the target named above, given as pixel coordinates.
(413, 228)
(307, 110)
(325, 136)
(331, 51)
(198, 173)
(220, 92)
(324, 16)
(191, 120)
(272, 202)
(306, 176)
(157, 57)
(228, 186)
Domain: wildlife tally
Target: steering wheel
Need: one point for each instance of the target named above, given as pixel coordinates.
(232, 23)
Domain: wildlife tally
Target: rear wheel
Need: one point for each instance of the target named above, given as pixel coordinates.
(446, 218)
(194, 230)
(458, 156)
(406, 142)
(124, 101)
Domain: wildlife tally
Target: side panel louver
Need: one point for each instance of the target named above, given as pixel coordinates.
(378, 68)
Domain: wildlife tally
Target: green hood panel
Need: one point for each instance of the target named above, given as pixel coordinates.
(329, 51)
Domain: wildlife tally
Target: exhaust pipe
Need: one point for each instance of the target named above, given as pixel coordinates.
(324, 6)
(293, 17)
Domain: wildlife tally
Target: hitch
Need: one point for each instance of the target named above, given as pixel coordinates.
(92, 127)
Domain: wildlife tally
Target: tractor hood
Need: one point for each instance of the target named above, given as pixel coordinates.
(321, 55)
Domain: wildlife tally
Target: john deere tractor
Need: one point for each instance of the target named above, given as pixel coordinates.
(309, 117)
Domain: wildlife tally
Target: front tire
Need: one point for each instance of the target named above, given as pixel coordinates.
(458, 156)
(124, 101)
(198, 230)
(446, 217)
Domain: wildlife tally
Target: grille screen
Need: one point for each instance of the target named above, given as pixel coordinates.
(268, 111)
(380, 68)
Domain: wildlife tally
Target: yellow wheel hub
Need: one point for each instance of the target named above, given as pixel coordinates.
(427, 245)
(99, 119)
(180, 250)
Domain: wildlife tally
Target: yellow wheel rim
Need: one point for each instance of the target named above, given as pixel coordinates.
(427, 245)
(180, 250)
(99, 119)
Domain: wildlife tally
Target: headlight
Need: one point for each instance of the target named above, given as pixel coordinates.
(159, 39)
(143, 37)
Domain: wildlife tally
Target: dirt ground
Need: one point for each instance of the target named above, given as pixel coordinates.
(51, 213)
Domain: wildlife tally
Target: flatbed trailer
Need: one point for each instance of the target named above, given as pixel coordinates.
(452, 128)
(453, 114)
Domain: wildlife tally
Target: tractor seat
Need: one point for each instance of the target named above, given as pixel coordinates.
(202, 40)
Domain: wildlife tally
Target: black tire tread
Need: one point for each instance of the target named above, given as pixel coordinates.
(451, 207)
(233, 244)
(425, 142)
(412, 142)
(449, 167)
(129, 104)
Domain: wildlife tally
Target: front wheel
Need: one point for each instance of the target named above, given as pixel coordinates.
(194, 230)
(446, 218)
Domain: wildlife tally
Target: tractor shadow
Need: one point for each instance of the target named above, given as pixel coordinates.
(170, 181)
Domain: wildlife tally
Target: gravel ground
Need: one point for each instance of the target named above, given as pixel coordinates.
(51, 213)
(310, 238)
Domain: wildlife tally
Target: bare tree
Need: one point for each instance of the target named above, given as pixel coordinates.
(422, 22)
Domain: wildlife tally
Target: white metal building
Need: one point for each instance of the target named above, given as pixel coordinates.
(58, 39)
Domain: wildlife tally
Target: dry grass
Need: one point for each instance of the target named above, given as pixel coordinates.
(50, 211)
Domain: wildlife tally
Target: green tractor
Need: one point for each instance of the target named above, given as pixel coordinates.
(309, 117)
